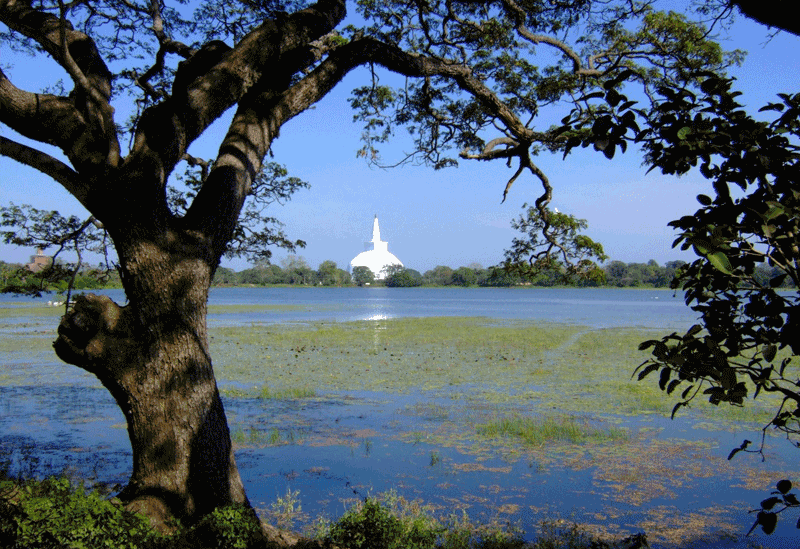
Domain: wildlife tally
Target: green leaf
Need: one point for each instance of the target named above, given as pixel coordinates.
(647, 344)
(771, 107)
(675, 409)
(784, 486)
(647, 371)
(774, 212)
(592, 95)
(720, 262)
(769, 503)
(673, 385)
(778, 280)
(769, 352)
(768, 521)
(684, 132)
(704, 199)
(701, 245)
(662, 382)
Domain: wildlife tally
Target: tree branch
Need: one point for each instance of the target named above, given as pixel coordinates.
(78, 54)
(52, 34)
(577, 65)
(258, 122)
(217, 77)
(48, 165)
(72, 67)
(42, 117)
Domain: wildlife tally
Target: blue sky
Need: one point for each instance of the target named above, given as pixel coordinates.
(450, 217)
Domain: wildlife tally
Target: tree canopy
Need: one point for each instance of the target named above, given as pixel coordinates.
(147, 78)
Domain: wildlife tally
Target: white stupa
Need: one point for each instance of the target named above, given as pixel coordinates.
(376, 254)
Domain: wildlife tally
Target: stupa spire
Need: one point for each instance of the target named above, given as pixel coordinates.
(376, 231)
(376, 255)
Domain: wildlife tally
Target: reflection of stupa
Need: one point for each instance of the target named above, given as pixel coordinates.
(376, 256)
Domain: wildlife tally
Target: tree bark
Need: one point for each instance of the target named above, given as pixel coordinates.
(153, 357)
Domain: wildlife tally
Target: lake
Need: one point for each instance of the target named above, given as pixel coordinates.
(390, 409)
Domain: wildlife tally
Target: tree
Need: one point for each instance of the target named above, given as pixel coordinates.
(33, 228)
(441, 275)
(464, 276)
(744, 320)
(297, 271)
(551, 241)
(617, 273)
(363, 276)
(328, 274)
(401, 277)
(748, 330)
(225, 277)
(176, 71)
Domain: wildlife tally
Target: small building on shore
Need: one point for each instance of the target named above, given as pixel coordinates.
(376, 255)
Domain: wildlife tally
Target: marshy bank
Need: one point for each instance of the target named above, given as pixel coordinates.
(504, 419)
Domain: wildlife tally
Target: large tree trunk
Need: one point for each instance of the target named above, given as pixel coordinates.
(152, 355)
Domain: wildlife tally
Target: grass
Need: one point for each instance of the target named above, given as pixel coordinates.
(395, 355)
(538, 431)
(30, 311)
(252, 308)
(267, 393)
(58, 513)
(250, 436)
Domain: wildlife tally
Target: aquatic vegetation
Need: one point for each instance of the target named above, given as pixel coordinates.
(390, 521)
(537, 431)
(265, 392)
(470, 399)
(393, 355)
(252, 308)
(286, 510)
(249, 436)
(29, 311)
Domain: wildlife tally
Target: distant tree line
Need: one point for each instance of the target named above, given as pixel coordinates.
(14, 278)
(295, 271)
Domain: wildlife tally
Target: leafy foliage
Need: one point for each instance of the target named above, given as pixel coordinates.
(30, 227)
(767, 516)
(500, 43)
(552, 241)
(362, 276)
(230, 527)
(744, 321)
(53, 514)
(753, 220)
(401, 277)
(255, 232)
(372, 527)
(393, 523)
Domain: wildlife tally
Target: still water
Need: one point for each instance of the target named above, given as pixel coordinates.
(598, 308)
(342, 446)
(591, 307)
